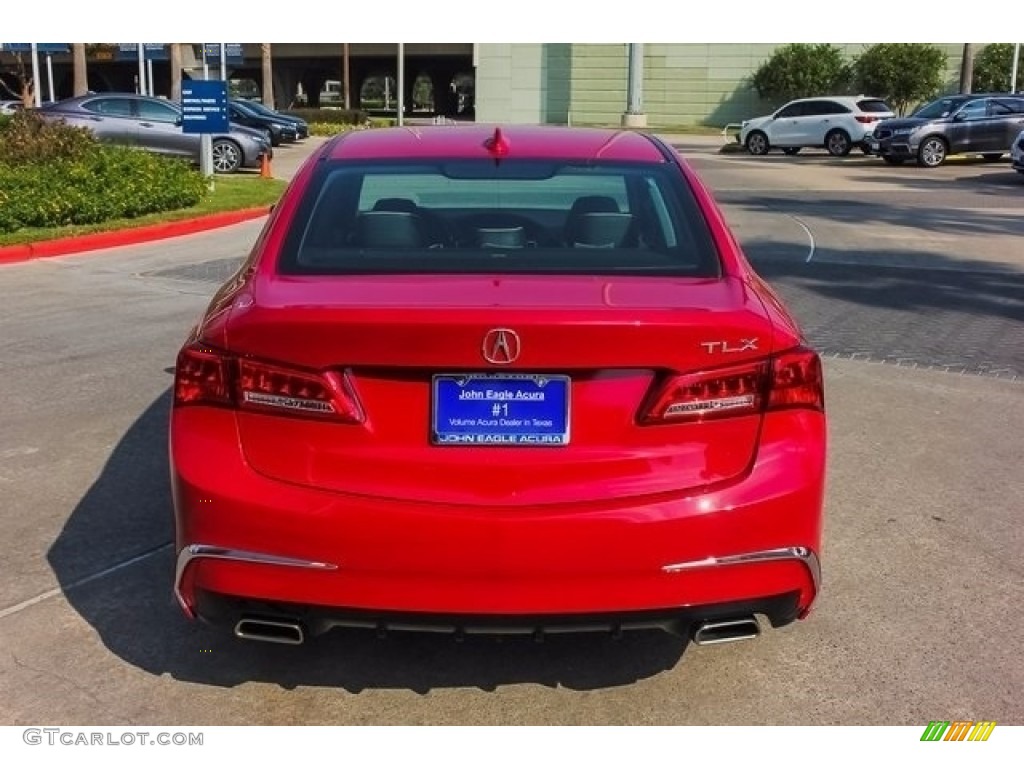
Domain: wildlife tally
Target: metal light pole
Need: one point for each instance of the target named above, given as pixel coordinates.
(345, 78)
(206, 64)
(1013, 71)
(634, 116)
(49, 75)
(401, 83)
(223, 61)
(142, 69)
(35, 76)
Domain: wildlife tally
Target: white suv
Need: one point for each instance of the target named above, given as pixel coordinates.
(837, 123)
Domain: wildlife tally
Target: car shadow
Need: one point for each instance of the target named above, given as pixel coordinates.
(930, 308)
(894, 210)
(999, 177)
(131, 609)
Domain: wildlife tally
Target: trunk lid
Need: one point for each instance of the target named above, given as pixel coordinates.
(613, 339)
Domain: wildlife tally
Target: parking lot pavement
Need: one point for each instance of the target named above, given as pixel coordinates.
(289, 157)
(923, 580)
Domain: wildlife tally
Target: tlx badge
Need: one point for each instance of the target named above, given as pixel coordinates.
(724, 347)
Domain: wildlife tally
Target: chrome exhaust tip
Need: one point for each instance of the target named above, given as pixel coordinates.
(270, 631)
(716, 632)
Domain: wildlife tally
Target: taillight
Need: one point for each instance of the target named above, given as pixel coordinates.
(797, 381)
(790, 380)
(266, 387)
(208, 377)
(866, 118)
(710, 394)
(201, 376)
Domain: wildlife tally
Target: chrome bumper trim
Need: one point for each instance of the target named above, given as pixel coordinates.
(803, 554)
(210, 552)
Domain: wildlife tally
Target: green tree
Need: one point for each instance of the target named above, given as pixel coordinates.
(992, 67)
(802, 69)
(902, 73)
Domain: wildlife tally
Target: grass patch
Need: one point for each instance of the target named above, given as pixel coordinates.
(231, 193)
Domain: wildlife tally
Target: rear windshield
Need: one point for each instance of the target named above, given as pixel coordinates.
(507, 217)
(873, 105)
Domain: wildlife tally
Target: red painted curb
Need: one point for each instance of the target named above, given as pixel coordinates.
(131, 236)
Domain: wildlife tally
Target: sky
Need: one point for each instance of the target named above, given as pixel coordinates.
(574, 21)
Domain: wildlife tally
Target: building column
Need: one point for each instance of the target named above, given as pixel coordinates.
(634, 116)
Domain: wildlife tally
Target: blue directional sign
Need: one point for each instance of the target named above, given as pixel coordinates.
(41, 47)
(232, 52)
(152, 51)
(204, 106)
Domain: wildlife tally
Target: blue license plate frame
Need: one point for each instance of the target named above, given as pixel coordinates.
(500, 410)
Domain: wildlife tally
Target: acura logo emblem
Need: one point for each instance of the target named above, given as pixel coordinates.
(501, 346)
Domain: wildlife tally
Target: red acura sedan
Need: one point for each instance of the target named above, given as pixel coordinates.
(477, 379)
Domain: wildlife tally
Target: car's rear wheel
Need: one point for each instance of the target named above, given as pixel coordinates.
(893, 160)
(791, 150)
(227, 156)
(992, 157)
(757, 143)
(932, 152)
(838, 143)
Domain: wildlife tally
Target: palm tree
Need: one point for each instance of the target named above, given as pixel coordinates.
(268, 74)
(175, 71)
(81, 74)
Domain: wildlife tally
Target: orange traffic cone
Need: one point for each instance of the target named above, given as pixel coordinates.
(265, 166)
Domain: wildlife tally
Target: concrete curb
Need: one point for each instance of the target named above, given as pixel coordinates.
(132, 236)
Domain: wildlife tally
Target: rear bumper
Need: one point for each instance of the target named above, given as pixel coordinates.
(249, 540)
(228, 611)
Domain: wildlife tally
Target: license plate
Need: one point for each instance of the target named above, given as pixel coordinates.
(500, 409)
(873, 145)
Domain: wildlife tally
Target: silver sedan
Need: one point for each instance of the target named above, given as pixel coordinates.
(155, 125)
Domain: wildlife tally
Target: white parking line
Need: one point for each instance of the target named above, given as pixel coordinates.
(810, 237)
(81, 582)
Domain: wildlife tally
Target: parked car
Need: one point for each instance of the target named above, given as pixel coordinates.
(837, 123)
(1017, 153)
(980, 123)
(301, 126)
(277, 131)
(10, 107)
(476, 379)
(155, 125)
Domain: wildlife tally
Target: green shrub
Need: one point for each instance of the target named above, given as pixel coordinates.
(901, 73)
(802, 69)
(993, 67)
(333, 129)
(27, 138)
(347, 116)
(107, 182)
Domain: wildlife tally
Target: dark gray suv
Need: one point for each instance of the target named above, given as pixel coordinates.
(979, 124)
